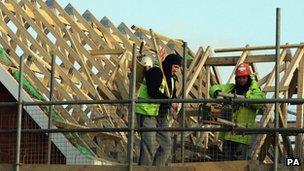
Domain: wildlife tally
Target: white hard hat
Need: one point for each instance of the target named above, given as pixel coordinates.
(147, 61)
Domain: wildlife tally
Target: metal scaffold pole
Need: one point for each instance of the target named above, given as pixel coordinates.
(50, 110)
(277, 82)
(132, 110)
(183, 104)
(19, 116)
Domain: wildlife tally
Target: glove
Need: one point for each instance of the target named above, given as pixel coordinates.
(249, 94)
(216, 93)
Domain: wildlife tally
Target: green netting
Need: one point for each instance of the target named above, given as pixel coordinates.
(71, 135)
(28, 87)
(4, 57)
(87, 152)
(55, 116)
(84, 150)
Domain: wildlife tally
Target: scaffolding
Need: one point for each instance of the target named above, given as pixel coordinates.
(81, 73)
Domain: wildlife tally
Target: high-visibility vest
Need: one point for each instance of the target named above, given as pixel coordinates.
(245, 115)
(149, 109)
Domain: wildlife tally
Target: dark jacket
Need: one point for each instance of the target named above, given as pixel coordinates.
(154, 78)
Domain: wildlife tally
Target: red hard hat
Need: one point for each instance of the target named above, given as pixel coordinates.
(243, 70)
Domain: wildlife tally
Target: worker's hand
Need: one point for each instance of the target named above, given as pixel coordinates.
(216, 93)
(175, 115)
(174, 106)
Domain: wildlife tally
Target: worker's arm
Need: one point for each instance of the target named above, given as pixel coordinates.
(174, 89)
(226, 88)
(255, 92)
(153, 81)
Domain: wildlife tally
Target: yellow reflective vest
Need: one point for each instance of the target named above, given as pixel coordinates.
(149, 109)
(245, 115)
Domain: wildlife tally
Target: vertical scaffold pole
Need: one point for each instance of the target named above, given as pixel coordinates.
(132, 110)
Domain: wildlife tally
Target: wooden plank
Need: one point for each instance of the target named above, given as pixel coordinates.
(232, 60)
(116, 166)
(35, 81)
(110, 38)
(74, 24)
(22, 45)
(59, 69)
(272, 88)
(84, 52)
(289, 124)
(144, 37)
(272, 74)
(216, 75)
(125, 30)
(190, 69)
(33, 54)
(241, 60)
(162, 37)
(194, 92)
(43, 13)
(198, 70)
(200, 84)
(265, 118)
(258, 48)
(167, 92)
(300, 110)
(100, 52)
(267, 77)
(195, 61)
(116, 32)
(292, 67)
(178, 49)
(27, 35)
(284, 108)
(150, 45)
(76, 46)
(73, 87)
(207, 80)
(264, 149)
(159, 38)
(164, 50)
(286, 141)
(15, 59)
(97, 39)
(74, 54)
(285, 81)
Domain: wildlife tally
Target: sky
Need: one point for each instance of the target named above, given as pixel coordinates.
(215, 23)
(212, 23)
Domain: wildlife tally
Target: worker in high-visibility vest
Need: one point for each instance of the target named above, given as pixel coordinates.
(236, 147)
(155, 148)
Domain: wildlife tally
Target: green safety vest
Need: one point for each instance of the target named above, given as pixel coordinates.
(149, 109)
(245, 115)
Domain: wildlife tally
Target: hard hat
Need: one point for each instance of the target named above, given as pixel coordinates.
(147, 61)
(243, 70)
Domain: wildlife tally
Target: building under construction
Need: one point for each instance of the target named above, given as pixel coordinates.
(67, 98)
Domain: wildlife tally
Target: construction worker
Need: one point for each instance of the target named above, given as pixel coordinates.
(236, 147)
(155, 148)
